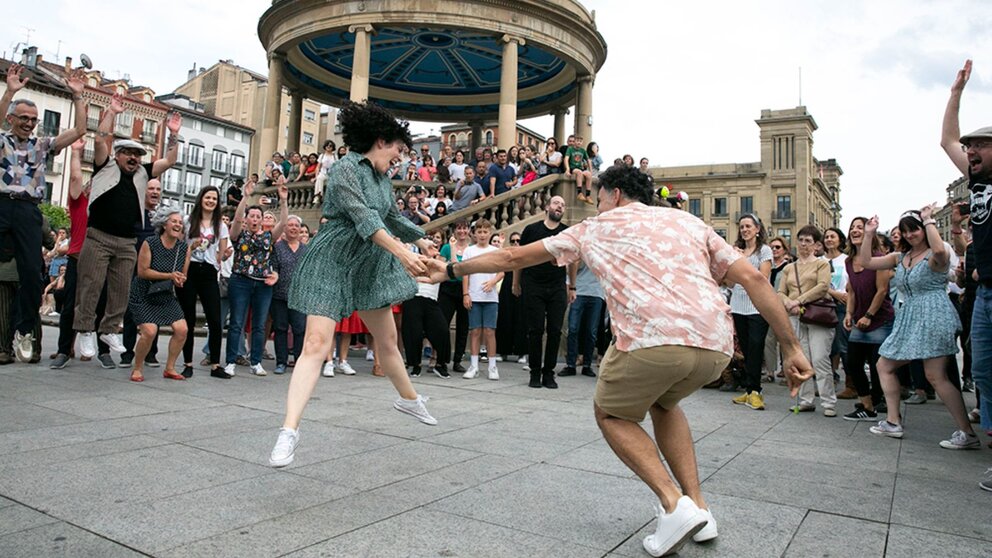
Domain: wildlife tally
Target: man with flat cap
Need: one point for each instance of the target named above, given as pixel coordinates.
(972, 155)
(117, 202)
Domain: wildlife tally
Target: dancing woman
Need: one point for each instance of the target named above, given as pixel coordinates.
(354, 263)
(925, 322)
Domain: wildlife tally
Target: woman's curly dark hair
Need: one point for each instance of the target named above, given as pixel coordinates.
(364, 123)
(633, 184)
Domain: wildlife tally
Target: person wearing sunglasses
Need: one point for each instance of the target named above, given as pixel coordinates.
(23, 157)
(972, 155)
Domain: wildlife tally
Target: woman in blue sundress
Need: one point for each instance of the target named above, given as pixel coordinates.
(355, 263)
(925, 324)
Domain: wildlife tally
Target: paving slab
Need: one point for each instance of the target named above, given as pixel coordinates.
(967, 511)
(826, 535)
(15, 517)
(910, 542)
(61, 539)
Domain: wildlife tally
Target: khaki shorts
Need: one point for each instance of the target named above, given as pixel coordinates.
(630, 383)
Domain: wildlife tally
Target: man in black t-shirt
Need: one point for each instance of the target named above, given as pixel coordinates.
(545, 297)
(972, 155)
(234, 194)
(116, 204)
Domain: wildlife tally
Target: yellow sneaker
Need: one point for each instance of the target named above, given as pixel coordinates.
(741, 399)
(755, 401)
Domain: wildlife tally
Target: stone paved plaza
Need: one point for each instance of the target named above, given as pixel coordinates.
(94, 465)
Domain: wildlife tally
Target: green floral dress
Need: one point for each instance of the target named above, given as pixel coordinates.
(343, 270)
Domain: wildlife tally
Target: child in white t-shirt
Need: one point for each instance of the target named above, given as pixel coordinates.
(481, 298)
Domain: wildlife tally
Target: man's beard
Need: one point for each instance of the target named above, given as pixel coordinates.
(554, 217)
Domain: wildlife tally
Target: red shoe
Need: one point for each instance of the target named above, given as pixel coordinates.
(172, 375)
(136, 376)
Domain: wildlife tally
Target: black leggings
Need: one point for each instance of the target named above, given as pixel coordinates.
(201, 281)
(751, 332)
(422, 317)
(452, 305)
(857, 355)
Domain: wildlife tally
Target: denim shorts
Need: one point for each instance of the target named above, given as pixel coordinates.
(873, 337)
(483, 314)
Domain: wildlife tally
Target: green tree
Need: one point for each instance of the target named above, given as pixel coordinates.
(56, 214)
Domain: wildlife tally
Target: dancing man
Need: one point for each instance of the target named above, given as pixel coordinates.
(669, 343)
(354, 263)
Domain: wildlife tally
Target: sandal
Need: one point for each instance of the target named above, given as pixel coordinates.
(172, 375)
(136, 376)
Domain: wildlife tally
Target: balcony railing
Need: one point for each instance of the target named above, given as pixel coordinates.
(92, 124)
(195, 161)
(149, 137)
(88, 155)
(784, 216)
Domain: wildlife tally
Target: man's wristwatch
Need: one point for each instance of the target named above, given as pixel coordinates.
(451, 270)
(869, 315)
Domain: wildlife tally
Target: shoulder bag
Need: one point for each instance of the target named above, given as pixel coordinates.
(821, 312)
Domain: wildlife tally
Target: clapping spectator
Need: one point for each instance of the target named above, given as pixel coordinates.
(415, 212)
(164, 257)
(549, 161)
(428, 170)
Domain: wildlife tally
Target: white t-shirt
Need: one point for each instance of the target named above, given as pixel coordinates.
(838, 275)
(205, 246)
(476, 280)
(325, 161)
(457, 171)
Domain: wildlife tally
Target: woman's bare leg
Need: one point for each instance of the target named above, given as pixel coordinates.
(380, 323)
(316, 347)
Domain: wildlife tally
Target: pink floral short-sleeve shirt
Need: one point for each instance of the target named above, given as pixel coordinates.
(660, 269)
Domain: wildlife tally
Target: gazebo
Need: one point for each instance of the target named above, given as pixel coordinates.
(435, 60)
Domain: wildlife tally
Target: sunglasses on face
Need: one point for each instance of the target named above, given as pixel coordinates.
(24, 119)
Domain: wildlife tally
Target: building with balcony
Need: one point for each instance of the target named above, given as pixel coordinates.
(212, 151)
(460, 136)
(238, 95)
(787, 189)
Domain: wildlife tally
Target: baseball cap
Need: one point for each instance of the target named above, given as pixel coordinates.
(985, 133)
(129, 144)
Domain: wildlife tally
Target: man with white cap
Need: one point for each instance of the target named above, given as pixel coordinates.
(972, 155)
(117, 202)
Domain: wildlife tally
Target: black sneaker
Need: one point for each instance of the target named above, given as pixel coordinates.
(187, 371)
(535, 380)
(441, 371)
(414, 371)
(126, 360)
(59, 362)
(548, 379)
(587, 371)
(458, 368)
(861, 414)
(881, 407)
(969, 386)
(567, 371)
(219, 373)
(107, 361)
(152, 361)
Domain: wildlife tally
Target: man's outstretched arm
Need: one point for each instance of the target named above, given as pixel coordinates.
(950, 132)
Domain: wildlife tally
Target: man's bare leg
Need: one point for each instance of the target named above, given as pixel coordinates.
(638, 451)
(674, 439)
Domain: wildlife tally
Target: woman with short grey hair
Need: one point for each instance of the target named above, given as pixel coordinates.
(162, 258)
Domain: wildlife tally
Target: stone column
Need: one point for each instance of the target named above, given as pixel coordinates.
(295, 117)
(583, 109)
(476, 126)
(560, 124)
(361, 60)
(508, 92)
(273, 110)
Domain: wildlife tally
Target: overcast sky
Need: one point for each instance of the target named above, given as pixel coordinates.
(683, 81)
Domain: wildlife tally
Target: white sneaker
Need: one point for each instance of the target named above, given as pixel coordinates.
(285, 449)
(24, 346)
(345, 368)
(229, 368)
(493, 373)
(522, 359)
(257, 370)
(675, 529)
(960, 440)
(87, 344)
(886, 428)
(415, 408)
(498, 358)
(328, 370)
(369, 355)
(114, 341)
(471, 372)
(707, 533)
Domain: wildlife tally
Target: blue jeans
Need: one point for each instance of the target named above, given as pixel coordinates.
(243, 293)
(583, 321)
(981, 351)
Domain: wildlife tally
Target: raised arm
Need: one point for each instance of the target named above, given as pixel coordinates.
(75, 81)
(950, 131)
(239, 212)
(940, 258)
(14, 84)
(76, 169)
(104, 134)
(173, 122)
(283, 209)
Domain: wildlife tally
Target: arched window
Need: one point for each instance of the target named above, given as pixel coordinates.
(452, 139)
(489, 137)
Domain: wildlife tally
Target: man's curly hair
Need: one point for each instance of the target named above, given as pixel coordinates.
(364, 123)
(633, 184)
